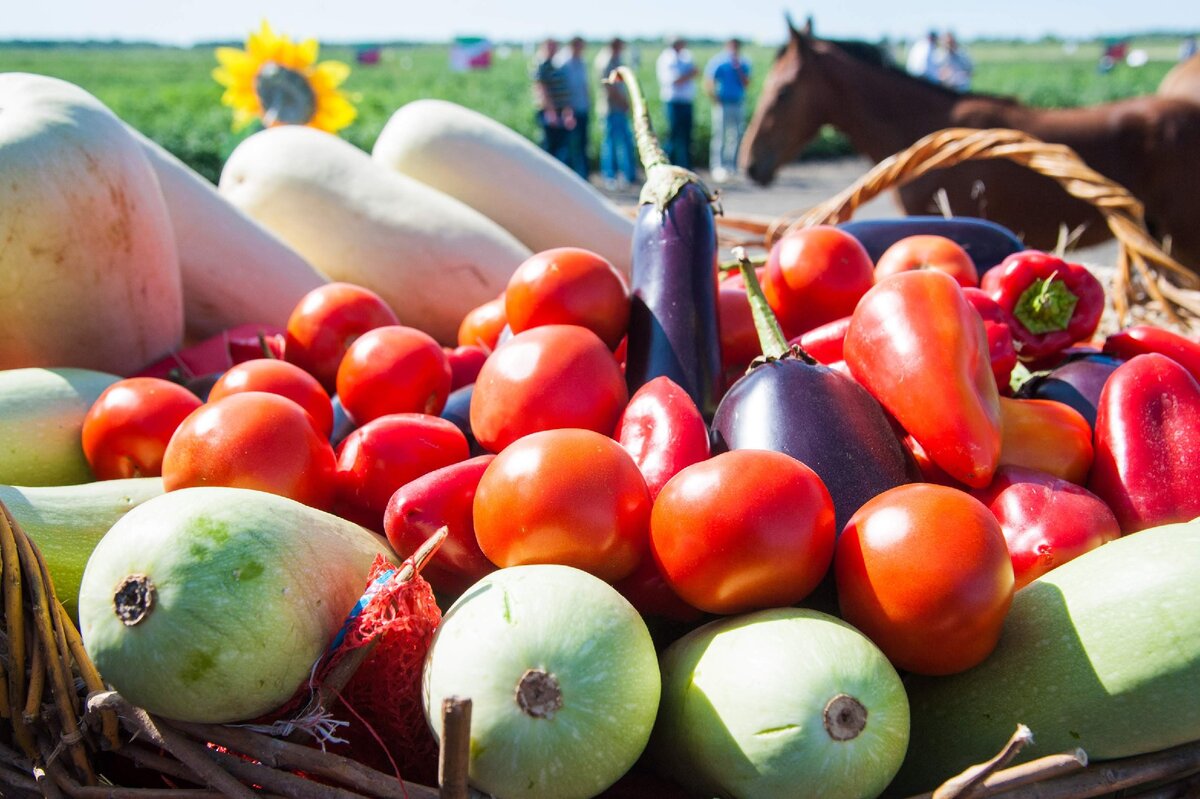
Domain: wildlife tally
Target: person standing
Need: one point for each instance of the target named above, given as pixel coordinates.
(677, 88)
(554, 113)
(952, 64)
(618, 163)
(575, 72)
(726, 76)
(922, 56)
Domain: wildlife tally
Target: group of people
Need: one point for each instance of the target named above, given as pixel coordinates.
(563, 106)
(941, 59)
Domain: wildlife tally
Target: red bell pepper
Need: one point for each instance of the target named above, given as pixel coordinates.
(1143, 339)
(1147, 465)
(998, 326)
(919, 347)
(1046, 521)
(1047, 436)
(1053, 303)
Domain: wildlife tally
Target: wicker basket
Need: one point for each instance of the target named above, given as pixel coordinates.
(1147, 283)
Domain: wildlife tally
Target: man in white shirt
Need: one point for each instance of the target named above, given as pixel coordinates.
(677, 88)
(922, 57)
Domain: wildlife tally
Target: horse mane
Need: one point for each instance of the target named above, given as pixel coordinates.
(877, 56)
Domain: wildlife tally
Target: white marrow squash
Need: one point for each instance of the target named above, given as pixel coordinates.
(234, 271)
(88, 266)
(428, 255)
(504, 176)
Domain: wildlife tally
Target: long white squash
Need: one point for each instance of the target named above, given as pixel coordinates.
(503, 175)
(431, 257)
(88, 271)
(234, 271)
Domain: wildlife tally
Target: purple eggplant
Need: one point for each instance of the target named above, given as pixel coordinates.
(673, 320)
(1076, 383)
(789, 403)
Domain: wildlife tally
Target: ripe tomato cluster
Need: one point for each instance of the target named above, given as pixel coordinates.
(528, 444)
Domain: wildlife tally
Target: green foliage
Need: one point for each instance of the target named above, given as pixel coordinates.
(169, 94)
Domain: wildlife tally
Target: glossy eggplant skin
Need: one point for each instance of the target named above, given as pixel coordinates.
(673, 327)
(458, 411)
(821, 418)
(1076, 383)
(986, 242)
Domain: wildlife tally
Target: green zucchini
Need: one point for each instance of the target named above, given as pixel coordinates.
(1102, 653)
(41, 424)
(66, 523)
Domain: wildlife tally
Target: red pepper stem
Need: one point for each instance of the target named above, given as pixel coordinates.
(770, 335)
(1046, 305)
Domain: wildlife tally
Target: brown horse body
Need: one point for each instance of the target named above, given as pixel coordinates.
(1151, 145)
(1183, 81)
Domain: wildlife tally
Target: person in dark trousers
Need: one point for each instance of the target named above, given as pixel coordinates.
(575, 72)
(677, 88)
(551, 97)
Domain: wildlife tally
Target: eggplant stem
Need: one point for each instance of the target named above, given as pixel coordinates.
(770, 335)
(650, 151)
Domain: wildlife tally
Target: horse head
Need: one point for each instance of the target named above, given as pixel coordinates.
(788, 114)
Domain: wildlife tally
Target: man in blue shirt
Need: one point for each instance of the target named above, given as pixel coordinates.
(725, 78)
(575, 74)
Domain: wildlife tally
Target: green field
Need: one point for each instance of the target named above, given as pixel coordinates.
(168, 93)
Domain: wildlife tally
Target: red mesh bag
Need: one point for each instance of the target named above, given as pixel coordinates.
(376, 717)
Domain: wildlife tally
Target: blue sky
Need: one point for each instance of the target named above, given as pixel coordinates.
(187, 21)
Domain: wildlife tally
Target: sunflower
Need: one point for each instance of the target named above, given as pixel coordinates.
(278, 81)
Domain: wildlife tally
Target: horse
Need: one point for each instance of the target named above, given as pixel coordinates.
(1183, 81)
(1150, 145)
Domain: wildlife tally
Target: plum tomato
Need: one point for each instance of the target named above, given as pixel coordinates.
(444, 497)
(924, 572)
(282, 378)
(743, 530)
(545, 378)
(663, 430)
(482, 325)
(569, 286)
(928, 252)
(126, 431)
(739, 338)
(815, 275)
(252, 440)
(393, 369)
(390, 451)
(570, 496)
(326, 322)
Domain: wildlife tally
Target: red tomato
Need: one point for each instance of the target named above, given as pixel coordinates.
(742, 530)
(548, 377)
(815, 275)
(572, 497)
(465, 363)
(924, 572)
(126, 431)
(252, 440)
(444, 497)
(663, 430)
(394, 369)
(282, 378)
(928, 252)
(390, 451)
(326, 322)
(569, 286)
(482, 325)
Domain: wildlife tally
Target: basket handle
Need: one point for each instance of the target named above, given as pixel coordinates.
(1122, 212)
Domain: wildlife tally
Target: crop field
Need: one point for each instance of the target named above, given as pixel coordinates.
(168, 93)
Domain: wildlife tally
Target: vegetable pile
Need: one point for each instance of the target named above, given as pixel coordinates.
(819, 526)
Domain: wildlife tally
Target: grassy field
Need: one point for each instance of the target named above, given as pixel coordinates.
(168, 93)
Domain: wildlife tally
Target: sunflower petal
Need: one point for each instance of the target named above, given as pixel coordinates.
(306, 52)
(335, 72)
